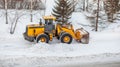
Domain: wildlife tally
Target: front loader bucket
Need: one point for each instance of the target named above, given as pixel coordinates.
(85, 36)
(85, 39)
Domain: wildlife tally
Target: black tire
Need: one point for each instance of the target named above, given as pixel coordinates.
(42, 36)
(63, 36)
(58, 37)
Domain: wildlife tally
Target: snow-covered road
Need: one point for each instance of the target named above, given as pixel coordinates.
(103, 46)
(111, 64)
(54, 61)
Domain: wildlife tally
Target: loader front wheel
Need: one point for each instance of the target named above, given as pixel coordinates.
(43, 38)
(66, 38)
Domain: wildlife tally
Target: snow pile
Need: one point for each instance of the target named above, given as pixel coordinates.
(114, 27)
(79, 20)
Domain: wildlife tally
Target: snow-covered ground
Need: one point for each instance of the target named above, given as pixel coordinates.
(17, 52)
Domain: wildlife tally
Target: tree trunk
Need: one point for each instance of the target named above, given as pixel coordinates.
(87, 5)
(96, 27)
(31, 10)
(84, 5)
(6, 13)
(45, 9)
(74, 3)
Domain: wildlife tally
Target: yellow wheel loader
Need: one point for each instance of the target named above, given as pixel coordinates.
(63, 32)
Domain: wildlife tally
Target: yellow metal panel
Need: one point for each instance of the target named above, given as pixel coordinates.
(39, 31)
(30, 32)
(58, 29)
(35, 31)
(49, 17)
(70, 31)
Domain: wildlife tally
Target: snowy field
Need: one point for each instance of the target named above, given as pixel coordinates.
(104, 46)
(17, 52)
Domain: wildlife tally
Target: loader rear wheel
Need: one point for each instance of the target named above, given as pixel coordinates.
(66, 38)
(43, 38)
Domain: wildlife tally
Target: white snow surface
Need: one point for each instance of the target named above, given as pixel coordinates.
(17, 52)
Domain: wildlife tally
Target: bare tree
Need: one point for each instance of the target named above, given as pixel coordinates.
(15, 21)
(31, 10)
(111, 7)
(45, 6)
(74, 2)
(96, 27)
(87, 3)
(84, 2)
(6, 12)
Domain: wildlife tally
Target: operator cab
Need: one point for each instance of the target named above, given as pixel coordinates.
(49, 25)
